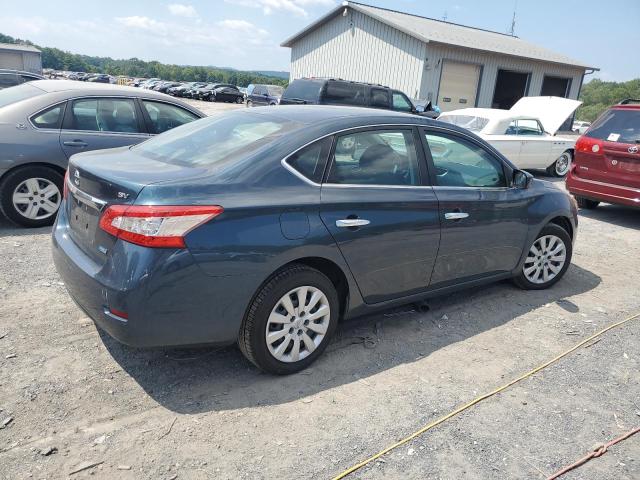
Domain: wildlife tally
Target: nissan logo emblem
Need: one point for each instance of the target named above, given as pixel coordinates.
(633, 149)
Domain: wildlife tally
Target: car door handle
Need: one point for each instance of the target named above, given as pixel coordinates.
(455, 215)
(75, 143)
(352, 222)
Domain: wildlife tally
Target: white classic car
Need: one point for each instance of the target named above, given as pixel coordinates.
(525, 134)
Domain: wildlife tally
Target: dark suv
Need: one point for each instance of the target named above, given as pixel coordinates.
(606, 165)
(329, 91)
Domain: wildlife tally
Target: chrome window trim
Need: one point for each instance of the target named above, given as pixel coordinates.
(288, 167)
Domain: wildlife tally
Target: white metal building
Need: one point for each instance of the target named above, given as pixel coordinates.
(454, 66)
(20, 57)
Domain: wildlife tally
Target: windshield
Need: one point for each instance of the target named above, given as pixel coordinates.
(475, 124)
(215, 140)
(15, 94)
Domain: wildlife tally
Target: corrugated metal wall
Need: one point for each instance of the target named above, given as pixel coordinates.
(32, 62)
(358, 47)
(19, 60)
(490, 65)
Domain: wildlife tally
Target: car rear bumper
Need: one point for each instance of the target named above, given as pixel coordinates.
(602, 191)
(168, 299)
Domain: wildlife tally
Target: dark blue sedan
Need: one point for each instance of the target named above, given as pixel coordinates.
(267, 227)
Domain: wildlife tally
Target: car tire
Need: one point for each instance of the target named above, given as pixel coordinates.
(587, 203)
(249, 104)
(561, 166)
(538, 266)
(239, 100)
(267, 312)
(18, 181)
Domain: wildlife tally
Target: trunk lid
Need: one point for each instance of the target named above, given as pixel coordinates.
(551, 111)
(102, 178)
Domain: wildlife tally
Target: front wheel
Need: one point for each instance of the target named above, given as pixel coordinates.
(561, 166)
(31, 196)
(547, 260)
(239, 99)
(290, 321)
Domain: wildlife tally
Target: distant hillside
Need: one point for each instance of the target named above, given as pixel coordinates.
(274, 73)
(598, 96)
(134, 67)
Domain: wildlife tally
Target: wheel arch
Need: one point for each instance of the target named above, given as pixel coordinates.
(564, 223)
(52, 166)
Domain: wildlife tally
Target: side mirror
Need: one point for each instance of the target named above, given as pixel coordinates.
(521, 179)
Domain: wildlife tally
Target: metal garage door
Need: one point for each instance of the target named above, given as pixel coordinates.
(11, 60)
(458, 86)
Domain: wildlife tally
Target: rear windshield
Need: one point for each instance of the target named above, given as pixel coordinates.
(307, 90)
(15, 94)
(621, 126)
(215, 140)
(475, 124)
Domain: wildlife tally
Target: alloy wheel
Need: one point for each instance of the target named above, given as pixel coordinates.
(298, 324)
(545, 260)
(562, 164)
(36, 198)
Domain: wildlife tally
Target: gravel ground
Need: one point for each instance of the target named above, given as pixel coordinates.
(77, 398)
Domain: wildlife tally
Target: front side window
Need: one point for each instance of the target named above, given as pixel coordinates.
(50, 118)
(311, 160)
(524, 127)
(9, 80)
(461, 163)
(375, 157)
(165, 117)
(104, 115)
(401, 102)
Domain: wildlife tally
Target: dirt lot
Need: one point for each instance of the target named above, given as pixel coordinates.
(75, 396)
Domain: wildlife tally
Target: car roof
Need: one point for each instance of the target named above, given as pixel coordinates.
(50, 86)
(20, 72)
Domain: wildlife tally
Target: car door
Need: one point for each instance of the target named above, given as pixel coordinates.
(484, 220)
(259, 95)
(535, 144)
(381, 213)
(95, 123)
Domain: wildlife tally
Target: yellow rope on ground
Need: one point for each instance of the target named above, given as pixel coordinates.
(478, 400)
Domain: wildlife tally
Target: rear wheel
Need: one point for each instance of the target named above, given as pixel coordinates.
(249, 103)
(586, 203)
(31, 196)
(561, 166)
(547, 260)
(290, 321)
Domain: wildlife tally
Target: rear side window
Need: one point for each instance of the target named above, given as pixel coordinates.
(343, 93)
(311, 160)
(377, 157)
(9, 80)
(50, 118)
(105, 115)
(307, 90)
(380, 98)
(165, 117)
(621, 126)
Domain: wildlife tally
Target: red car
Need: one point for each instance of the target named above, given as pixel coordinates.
(606, 164)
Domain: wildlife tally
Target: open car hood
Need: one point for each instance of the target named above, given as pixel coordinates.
(551, 111)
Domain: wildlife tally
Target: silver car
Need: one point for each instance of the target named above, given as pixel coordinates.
(43, 123)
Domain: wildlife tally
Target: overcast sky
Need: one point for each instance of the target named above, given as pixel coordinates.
(246, 34)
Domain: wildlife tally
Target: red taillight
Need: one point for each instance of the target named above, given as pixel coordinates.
(589, 145)
(155, 226)
(65, 187)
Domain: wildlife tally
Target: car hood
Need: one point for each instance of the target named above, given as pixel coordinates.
(551, 111)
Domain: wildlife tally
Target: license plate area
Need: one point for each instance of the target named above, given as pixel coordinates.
(83, 220)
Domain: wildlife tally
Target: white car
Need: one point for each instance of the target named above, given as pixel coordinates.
(580, 127)
(525, 134)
